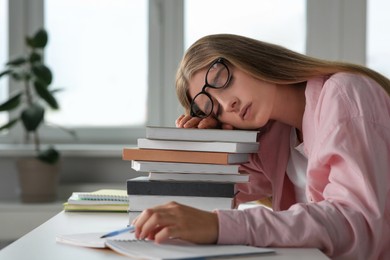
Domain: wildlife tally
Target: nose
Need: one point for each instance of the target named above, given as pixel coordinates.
(227, 102)
(231, 104)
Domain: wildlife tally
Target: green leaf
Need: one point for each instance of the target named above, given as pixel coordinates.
(11, 103)
(18, 76)
(50, 155)
(17, 61)
(43, 73)
(56, 90)
(39, 40)
(35, 57)
(32, 117)
(3, 73)
(10, 124)
(45, 94)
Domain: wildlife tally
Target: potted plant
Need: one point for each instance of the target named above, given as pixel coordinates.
(38, 175)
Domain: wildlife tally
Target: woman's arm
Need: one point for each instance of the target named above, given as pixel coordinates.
(187, 121)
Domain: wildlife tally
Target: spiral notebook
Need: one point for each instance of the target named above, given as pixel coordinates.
(126, 244)
(101, 200)
(103, 195)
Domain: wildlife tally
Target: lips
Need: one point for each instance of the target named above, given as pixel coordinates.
(244, 112)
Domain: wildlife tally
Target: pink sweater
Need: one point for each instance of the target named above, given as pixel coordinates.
(346, 132)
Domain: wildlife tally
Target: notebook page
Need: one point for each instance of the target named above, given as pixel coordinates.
(128, 245)
(91, 239)
(176, 249)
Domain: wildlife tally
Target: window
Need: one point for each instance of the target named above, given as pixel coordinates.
(378, 40)
(102, 52)
(99, 58)
(261, 19)
(3, 54)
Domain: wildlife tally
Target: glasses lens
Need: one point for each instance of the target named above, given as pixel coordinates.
(218, 75)
(201, 106)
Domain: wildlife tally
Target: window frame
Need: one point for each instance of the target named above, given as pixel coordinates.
(165, 50)
(331, 34)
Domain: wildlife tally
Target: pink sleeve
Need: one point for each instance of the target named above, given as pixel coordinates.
(260, 175)
(348, 182)
(352, 219)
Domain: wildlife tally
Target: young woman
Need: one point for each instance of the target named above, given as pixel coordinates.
(324, 154)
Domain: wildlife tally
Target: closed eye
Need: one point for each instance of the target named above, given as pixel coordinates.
(217, 110)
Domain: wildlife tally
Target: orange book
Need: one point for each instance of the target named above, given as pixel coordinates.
(183, 156)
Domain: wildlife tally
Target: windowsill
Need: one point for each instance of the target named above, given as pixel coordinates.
(66, 150)
(13, 212)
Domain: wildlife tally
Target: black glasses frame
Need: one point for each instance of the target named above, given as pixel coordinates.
(207, 85)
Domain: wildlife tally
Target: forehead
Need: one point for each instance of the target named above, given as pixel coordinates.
(196, 82)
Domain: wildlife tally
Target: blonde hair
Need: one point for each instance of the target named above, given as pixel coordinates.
(264, 61)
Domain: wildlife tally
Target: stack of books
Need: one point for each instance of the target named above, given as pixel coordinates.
(196, 167)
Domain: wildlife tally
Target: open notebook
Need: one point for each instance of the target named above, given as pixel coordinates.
(128, 245)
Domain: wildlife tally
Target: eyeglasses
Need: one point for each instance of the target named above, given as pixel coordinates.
(217, 77)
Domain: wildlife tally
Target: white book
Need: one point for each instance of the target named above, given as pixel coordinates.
(209, 177)
(196, 134)
(142, 202)
(149, 166)
(230, 147)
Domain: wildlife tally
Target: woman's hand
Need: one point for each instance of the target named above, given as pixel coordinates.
(174, 220)
(187, 121)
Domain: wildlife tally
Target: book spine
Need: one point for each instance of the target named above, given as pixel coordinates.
(175, 188)
(183, 156)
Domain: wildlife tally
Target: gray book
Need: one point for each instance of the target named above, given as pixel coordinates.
(196, 134)
(143, 186)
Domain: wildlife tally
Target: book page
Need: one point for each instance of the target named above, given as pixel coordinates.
(178, 249)
(91, 239)
(128, 245)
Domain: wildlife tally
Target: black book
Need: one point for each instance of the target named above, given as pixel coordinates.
(143, 186)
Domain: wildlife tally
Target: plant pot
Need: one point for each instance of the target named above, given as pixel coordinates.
(38, 180)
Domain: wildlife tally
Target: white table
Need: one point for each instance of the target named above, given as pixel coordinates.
(40, 243)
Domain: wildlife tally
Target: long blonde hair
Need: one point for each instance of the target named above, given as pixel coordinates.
(264, 61)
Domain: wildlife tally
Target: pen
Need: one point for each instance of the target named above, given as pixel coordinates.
(120, 231)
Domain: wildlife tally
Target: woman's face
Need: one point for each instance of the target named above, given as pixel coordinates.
(245, 103)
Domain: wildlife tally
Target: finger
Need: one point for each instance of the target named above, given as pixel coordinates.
(141, 220)
(183, 120)
(158, 228)
(193, 122)
(152, 234)
(159, 219)
(178, 121)
(208, 122)
(134, 220)
(166, 233)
